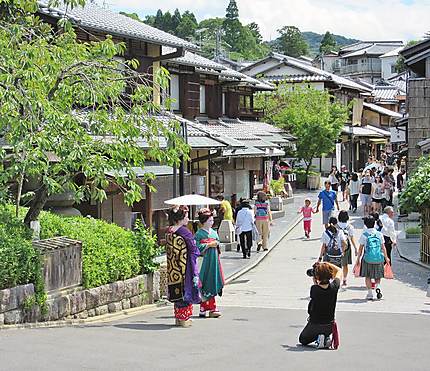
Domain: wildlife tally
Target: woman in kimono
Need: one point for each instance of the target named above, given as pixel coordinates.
(211, 274)
(182, 269)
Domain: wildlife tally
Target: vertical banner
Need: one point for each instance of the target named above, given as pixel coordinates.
(338, 155)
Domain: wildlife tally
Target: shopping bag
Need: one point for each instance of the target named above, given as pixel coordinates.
(356, 271)
(388, 272)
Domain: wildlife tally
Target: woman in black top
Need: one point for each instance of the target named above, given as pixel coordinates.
(322, 305)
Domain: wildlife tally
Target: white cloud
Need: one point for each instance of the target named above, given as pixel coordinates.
(362, 19)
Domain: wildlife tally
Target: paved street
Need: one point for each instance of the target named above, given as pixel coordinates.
(263, 313)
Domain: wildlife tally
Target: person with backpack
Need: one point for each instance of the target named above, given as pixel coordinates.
(348, 230)
(374, 254)
(328, 199)
(333, 244)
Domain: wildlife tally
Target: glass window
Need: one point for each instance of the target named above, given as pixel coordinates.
(174, 92)
(202, 99)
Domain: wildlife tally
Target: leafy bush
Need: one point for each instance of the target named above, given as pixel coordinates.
(416, 195)
(109, 252)
(19, 261)
(413, 230)
(278, 186)
(301, 175)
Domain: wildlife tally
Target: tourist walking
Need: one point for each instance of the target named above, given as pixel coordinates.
(388, 229)
(244, 225)
(378, 194)
(329, 200)
(344, 178)
(333, 178)
(333, 244)
(321, 327)
(226, 211)
(263, 220)
(374, 253)
(211, 273)
(354, 191)
(392, 184)
(400, 180)
(348, 230)
(236, 211)
(182, 268)
(307, 211)
(366, 192)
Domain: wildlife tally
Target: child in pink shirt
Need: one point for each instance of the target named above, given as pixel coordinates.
(307, 212)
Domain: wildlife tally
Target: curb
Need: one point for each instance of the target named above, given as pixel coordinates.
(247, 268)
(422, 265)
(97, 319)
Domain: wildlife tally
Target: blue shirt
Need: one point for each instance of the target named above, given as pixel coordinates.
(328, 199)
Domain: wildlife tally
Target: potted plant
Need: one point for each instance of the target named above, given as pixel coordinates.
(277, 188)
(413, 232)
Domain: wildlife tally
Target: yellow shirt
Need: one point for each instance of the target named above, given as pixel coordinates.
(228, 211)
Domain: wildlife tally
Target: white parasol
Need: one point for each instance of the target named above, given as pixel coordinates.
(189, 200)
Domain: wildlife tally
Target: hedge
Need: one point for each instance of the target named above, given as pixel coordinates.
(109, 252)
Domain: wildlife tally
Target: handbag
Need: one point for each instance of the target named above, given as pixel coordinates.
(388, 272)
(255, 234)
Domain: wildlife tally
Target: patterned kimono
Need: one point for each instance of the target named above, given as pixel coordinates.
(182, 269)
(211, 274)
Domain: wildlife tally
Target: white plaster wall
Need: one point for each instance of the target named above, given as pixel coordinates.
(387, 62)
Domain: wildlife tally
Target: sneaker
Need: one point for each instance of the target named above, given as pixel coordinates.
(378, 293)
(327, 342)
(259, 247)
(320, 341)
(370, 296)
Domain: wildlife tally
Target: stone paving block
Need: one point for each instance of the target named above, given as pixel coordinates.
(135, 301)
(132, 287)
(92, 297)
(77, 302)
(1, 319)
(91, 312)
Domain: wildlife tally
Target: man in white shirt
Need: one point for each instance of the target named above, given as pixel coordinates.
(244, 226)
(388, 229)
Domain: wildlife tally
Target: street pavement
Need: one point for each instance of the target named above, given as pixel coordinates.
(263, 314)
(233, 262)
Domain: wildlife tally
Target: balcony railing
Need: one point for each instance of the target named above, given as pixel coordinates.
(256, 113)
(358, 68)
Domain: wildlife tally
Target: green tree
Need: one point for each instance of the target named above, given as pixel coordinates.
(255, 30)
(416, 195)
(400, 65)
(232, 26)
(328, 43)
(291, 42)
(176, 20)
(312, 116)
(131, 15)
(187, 27)
(159, 20)
(72, 113)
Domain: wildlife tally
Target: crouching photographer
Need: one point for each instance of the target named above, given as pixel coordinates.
(321, 327)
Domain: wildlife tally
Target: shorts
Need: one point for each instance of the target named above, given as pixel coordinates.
(366, 199)
(343, 186)
(335, 187)
(326, 215)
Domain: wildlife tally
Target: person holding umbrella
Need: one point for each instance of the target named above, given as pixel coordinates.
(211, 273)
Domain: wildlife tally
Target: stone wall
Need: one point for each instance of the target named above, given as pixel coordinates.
(419, 117)
(80, 304)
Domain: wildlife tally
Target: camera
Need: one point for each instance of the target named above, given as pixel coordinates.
(310, 272)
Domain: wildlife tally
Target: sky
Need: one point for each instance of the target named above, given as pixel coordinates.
(361, 19)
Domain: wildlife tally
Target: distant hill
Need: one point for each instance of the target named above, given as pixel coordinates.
(314, 41)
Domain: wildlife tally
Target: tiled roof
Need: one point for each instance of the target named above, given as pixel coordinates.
(150, 168)
(297, 78)
(257, 138)
(367, 131)
(376, 48)
(93, 17)
(392, 53)
(386, 93)
(193, 59)
(382, 110)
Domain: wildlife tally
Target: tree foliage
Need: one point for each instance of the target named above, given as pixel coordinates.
(291, 42)
(328, 43)
(72, 112)
(308, 114)
(416, 195)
